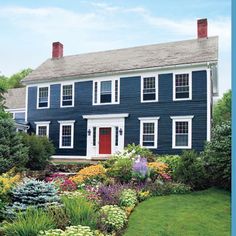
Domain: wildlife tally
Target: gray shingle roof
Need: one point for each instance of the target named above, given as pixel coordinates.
(15, 98)
(149, 56)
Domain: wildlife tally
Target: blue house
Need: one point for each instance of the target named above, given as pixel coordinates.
(159, 96)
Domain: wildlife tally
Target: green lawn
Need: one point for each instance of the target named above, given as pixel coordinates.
(204, 213)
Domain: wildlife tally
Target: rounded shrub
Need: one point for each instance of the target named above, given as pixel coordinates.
(112, 217)
(128, 198)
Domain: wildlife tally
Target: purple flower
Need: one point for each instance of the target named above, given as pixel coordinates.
(140, 166)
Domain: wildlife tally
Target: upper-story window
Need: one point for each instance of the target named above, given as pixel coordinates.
(67, 95)
(149, 89)
(106, 92)
(43, 97)
(182, 86)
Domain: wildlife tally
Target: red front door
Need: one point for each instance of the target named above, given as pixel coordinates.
(104, 140)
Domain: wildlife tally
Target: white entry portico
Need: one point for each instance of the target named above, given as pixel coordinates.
(105, 134)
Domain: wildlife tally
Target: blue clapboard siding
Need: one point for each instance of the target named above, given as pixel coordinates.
(129, 103)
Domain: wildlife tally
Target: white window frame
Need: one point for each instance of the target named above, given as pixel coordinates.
(182, 119)
(43, 86)
(73, 94)
(112, 91)
(157, 88)
(149, 120)
(70, 123)
(42, 123)
(190, 85)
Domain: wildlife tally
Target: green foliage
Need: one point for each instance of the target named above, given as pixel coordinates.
(128, 198)
(78, 230)
(137, 150)
(217, 155)
(32, 193)
(171, 160)
(40, 151)
(59, 215)
(191, 170)
(113, 218)
(222, 109)
(12, 151)
(121, 170)
(80, 211)
(29, 223)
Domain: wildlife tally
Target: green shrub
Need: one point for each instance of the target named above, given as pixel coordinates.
(121, 170)
(80, 211)
(59, 215)
(217, 156)
(128, 198)
(40, 151)
(78, 230)
(159, 188)
(171, 160)
(29, 223)
(191, 170)
(112, 218)
(13, 153)
(32, 193)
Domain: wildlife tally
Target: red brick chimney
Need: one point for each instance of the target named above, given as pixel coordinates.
(57, 50)
(202, 28)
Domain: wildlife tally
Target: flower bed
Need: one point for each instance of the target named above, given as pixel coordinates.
(96, 201)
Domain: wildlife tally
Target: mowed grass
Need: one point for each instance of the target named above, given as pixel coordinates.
(203, 213)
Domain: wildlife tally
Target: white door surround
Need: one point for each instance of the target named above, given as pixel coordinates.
(105, 121)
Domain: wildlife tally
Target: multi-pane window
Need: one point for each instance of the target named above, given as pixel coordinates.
(182, 132)
(106, 92)
(148, 129)
(116, 136)
(43, 97)
(66, 134)
(42, 130)
(19, 116)
(149, 86)
(182, 86)
(67, 95)
(94, 136)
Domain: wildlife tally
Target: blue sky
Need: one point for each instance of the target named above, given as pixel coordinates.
(29, 27)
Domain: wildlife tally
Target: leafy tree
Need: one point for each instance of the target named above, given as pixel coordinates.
(12, 151)
(217, 155)
(222, 109)
(15, 80)
(40, 151)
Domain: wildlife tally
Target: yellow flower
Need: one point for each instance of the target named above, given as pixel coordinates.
(158, 167)
(89, 172)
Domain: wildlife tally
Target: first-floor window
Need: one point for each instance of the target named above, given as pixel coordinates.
(42, 128)
(116, 136)
(66, 134)
(182, 132)
(94, 136)
(148, 132)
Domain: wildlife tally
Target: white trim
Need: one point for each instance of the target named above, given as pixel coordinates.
(15, 110)
(184, 119)
(149, 120)
(42, 124)
(42, 86)
(208, 105)
(26, 103)
(70, 123)
(73, 94)
(190, 85)
(156, 87)
(120, 115)
(123, 73)
(112, 79)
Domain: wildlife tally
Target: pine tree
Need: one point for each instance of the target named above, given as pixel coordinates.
(12, 151)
